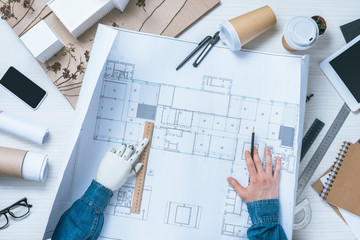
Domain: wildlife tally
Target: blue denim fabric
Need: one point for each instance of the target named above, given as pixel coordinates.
(85, 218)
(265, 217)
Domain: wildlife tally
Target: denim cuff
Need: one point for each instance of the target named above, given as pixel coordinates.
(264, 211)
(97, 196)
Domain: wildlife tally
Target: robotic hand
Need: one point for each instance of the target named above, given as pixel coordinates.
(117, 166)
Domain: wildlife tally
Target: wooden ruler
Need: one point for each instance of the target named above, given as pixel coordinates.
(140, 178)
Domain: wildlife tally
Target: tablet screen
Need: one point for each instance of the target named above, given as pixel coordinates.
(347, 66)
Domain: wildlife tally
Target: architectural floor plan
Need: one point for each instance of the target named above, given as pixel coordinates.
(203, 122)
(221, 132)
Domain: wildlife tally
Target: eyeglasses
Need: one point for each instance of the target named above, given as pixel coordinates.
(18, 210)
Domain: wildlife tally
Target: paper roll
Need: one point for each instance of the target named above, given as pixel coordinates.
(22, 128)
(23, 164)
(238, 31)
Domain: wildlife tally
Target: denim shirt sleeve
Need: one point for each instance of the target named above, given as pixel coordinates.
(85, 218)
(265, 218)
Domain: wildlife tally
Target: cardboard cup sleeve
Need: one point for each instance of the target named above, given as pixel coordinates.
(34, 132)
(238, 31)
(23, 164)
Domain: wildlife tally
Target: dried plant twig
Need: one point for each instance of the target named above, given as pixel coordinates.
(141, 3)
(66, 75)
(7, 8)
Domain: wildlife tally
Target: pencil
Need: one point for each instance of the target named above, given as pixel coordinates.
(252, 143)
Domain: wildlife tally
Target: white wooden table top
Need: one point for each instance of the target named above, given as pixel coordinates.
(57, 114)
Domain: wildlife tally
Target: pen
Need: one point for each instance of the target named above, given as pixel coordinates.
(207, 49)
(252, 143)
(200, 45)
(309, 97)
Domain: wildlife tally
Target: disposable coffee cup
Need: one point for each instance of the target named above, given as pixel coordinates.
(23, 164)
(300, 33)
(238, 31)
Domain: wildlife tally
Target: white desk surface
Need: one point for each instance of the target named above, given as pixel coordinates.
(57, 114)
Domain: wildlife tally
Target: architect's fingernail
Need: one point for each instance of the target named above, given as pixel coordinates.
(230, 180)
(267, 149)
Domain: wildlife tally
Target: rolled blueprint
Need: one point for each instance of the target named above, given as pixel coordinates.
(23, 164)
(22, 128)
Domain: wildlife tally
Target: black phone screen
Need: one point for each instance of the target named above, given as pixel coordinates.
(23, 87)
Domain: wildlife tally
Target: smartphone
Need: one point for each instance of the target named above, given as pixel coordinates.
(22, 87)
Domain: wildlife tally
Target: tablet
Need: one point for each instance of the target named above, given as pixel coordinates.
(343, 70)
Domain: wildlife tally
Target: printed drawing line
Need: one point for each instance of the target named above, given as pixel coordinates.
(120, 203)
(182, 215)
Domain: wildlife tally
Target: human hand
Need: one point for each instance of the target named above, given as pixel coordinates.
(117, 166)
(264, 184)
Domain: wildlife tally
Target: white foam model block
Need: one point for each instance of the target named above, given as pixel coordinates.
(78, 16)
(120, 4)
(42, 41)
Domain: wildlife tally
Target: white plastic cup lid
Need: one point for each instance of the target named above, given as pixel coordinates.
(301, 33)
(35, 166)
(46, 135)
(229, 36)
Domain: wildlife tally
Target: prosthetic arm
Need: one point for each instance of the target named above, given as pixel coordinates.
(118, 165)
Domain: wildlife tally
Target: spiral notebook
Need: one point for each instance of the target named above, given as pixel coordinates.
(342, 185)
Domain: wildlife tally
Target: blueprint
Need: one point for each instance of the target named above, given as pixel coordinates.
(203, 121)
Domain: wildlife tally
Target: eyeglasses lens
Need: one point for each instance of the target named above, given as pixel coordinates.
(3, 220)
(19, 210)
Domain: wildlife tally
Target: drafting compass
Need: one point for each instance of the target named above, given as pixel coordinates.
(209, 42)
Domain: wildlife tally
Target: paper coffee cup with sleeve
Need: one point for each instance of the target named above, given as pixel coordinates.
(301, 33)
(238, 31)
(23, 164)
